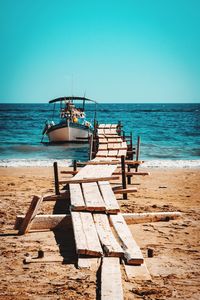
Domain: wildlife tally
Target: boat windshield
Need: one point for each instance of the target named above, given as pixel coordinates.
(74, 114)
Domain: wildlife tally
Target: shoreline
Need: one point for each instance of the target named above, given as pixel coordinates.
(151, 164)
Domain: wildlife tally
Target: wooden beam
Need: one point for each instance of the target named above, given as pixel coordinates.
(103, 162)
(50, 222)
(31, 213)
(133, 254)
(134, 162)
(69, 172)
(125, 191)
(133, 173)
(136, 218)
(46, 222)
(87, 180)
(111, 282)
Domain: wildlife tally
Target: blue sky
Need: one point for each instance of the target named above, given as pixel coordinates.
(114, 51)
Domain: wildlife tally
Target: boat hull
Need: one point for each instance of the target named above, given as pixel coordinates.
(68, 133)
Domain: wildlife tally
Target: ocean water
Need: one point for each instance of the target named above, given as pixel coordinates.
(170, 134)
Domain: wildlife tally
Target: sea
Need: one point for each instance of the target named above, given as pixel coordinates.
(170, 134)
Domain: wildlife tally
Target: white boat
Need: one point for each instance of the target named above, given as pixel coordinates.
(72, 125)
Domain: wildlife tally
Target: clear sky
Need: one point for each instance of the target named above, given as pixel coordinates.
(114, 51)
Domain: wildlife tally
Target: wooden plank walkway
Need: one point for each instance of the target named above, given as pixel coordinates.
(96, 198)
(99, 228)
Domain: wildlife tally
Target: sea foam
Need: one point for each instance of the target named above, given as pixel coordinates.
(171, 164)
(33, 163)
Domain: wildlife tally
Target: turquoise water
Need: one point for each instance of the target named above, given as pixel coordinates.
(170, 133)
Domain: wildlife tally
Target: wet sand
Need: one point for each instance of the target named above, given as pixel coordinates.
(174, 267)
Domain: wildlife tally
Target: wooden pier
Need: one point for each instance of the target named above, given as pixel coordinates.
(100, 230)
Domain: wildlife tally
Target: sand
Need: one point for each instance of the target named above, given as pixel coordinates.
(174, 268)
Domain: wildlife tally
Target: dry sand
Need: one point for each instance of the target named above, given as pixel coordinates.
(174, 268)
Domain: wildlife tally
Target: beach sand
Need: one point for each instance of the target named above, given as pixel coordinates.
(174, 268)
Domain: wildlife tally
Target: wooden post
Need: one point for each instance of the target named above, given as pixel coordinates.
(124, 137)
(119, 128)
(91, 146)
(131, 144)
(56, 183)
(123, 175)
(75, 165)
(137, 152)
(129, 176)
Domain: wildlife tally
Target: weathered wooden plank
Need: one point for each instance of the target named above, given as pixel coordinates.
(79, 234)
(50, 222)
(86, 239)
(108, 126)
(46, 222)
(76, 197)
(110, 201)
(104, 126)
(102, 147)
(112, 153)
(102, 140)
(133, 173)
(125, 191)
(117, 146)
(111, 282)
(91, 263)
(105, 161)
(101, 126)
(121, 153)
(100, 131)
(92, 171)
(31, 213)
(87, 180)
(111, 134)
(132, 162)
(114, 140)
(133, 254)
(69, 172)
(137, 272)
(107, 239)
(93, 198)
(136, 218)
(114, 126)
(102, 153)
(108, 131)
(124, 145)
(111, 146)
